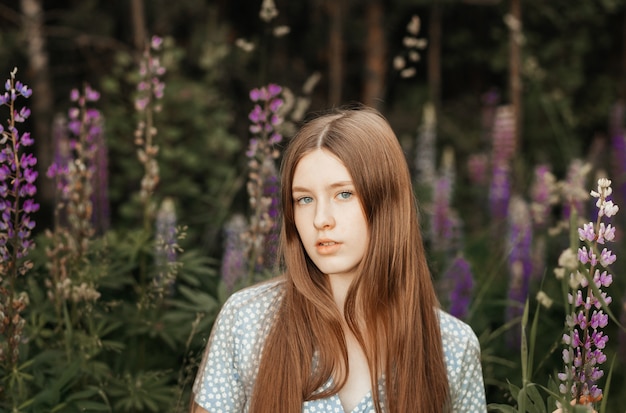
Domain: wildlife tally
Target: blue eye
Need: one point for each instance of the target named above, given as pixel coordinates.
(304, 200)
(345, 195)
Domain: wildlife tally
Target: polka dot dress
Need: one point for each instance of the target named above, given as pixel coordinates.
(228, 370)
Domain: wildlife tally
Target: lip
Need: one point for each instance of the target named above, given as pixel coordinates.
(327, 246)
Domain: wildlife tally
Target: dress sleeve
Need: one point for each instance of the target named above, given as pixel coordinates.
(218, 387)
(471, 389)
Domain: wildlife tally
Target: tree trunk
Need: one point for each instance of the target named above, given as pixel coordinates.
(42, 98)
(515, 79)
(138, 21)
(434, 56)
(375, 55)
(335, 51)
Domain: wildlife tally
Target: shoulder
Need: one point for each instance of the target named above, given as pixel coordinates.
(461, 348)
(251, 304)
(463, 364)
(455, 332)
(258, 298)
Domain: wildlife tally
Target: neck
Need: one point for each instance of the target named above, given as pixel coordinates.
(340, 286)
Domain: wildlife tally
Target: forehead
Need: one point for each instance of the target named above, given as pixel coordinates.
(319, 167)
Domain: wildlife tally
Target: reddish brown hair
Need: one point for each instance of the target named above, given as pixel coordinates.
(390, 306)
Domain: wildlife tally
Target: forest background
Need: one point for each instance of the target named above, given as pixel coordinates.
(131, 261)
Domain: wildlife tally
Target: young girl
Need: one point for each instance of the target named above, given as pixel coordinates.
(353, 324)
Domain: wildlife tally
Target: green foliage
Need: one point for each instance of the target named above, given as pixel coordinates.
(130, 350)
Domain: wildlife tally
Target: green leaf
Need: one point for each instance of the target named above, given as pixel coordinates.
(524, 346)
(201, 300)
(514, 390)
(83, 394)
(536, 399)
(504, 408)
(88, 406)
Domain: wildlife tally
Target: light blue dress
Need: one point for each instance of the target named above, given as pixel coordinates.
(227, 373)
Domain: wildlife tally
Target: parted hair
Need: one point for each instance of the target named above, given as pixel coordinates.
(391, 306)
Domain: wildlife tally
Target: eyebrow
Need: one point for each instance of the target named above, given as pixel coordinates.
(331, 186)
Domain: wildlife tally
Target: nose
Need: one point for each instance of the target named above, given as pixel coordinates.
(324, 218)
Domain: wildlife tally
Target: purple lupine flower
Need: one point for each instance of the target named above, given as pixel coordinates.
(459, 281)
(490, 101)
(445, 222)
(503, 147)
(62, 156)
(234, 265)
(520, 263)
(499, 191)
(17, 179)
(78, 144)
(585, 339)
(265, 118)
(17, 204)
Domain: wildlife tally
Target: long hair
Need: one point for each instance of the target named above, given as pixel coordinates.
(390, 307)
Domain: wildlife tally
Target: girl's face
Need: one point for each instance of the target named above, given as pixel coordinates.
(328, 214)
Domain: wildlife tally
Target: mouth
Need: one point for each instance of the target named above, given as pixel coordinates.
(327, 247)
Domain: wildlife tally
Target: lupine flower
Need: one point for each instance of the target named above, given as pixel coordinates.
(477, 166)
(150, 90)
(265, 119)
(424, 163)
(543, 194)
(75, 165)
(503, 135)
(585, 339)
(166, 247)
(543, 299)
(445, 222)
(490, 101)
(78, 145)
(503, 147)
(459, 282)
(499, 191)
(519, 241)
(17, 204)
(573, 189)
(234, 265)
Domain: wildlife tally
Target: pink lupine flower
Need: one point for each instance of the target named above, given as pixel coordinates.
(585, 341)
